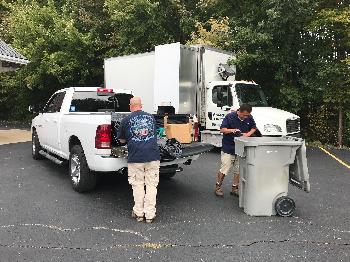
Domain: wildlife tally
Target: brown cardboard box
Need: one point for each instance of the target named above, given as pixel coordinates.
(181, 132)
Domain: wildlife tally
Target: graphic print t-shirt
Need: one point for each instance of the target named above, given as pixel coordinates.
(139, 131)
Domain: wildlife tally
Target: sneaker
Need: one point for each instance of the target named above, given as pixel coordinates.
(138, 219)
(149, 221)
(234, 191)
(218, 191)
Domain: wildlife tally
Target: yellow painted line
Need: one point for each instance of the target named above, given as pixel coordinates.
(336, 158)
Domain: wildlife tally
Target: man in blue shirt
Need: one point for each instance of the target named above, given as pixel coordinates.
(239, 123)
(138, 130)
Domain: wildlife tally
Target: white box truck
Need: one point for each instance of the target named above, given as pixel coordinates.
(199, 81)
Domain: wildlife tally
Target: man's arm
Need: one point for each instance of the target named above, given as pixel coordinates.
(224, 127)
(121, 132)
(251, 132)
(253, 128)
(228, 130)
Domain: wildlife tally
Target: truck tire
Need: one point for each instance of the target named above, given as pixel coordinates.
(82, 178)
(36, 147)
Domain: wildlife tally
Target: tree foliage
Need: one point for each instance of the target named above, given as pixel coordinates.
(297, 50)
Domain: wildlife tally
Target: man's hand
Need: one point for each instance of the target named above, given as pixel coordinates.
(229, 131)
(249, 133)
(235, 130)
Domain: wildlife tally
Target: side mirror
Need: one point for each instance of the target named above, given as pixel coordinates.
(31, 109)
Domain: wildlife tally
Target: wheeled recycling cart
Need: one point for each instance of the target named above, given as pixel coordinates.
(267, 166)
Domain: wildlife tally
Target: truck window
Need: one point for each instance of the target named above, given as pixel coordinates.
(55, 103)
(222, 96)
(89, 101)
(250, 94)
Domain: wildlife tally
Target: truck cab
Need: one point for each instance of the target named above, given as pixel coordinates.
(222, 97)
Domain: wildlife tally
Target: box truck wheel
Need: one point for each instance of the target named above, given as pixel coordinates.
(285, 206)
(36, 147)
(82, 178)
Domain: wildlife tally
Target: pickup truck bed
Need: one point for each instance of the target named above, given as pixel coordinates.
(188, 150)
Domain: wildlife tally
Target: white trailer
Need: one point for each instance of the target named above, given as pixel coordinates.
(196, 80)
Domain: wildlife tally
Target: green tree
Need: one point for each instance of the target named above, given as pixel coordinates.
(331, 31)
(61, 49)
(136, 26)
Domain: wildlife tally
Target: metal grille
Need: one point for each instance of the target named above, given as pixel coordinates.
(293, 125)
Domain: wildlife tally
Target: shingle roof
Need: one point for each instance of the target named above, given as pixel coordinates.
(8, 54)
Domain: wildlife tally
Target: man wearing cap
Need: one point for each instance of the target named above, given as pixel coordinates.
(235, 124)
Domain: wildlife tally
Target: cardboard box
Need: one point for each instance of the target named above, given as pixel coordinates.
(181, 132)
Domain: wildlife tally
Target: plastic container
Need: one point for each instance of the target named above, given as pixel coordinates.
(267, 165)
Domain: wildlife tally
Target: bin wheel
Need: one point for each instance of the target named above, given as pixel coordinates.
(285, 206)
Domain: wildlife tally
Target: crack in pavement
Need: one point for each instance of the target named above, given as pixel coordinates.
(56, 228)
(203, 222)
(296, 241)
(122, 231)
(42, 225)
(148, 245)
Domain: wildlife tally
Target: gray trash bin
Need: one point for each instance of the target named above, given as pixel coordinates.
(267, 165)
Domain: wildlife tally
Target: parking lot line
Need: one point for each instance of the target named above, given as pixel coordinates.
(336, 158)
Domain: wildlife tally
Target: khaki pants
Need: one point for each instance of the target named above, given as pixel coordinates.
(228, 161)
(141, 174)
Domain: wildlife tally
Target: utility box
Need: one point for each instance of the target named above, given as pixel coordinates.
(267, 165)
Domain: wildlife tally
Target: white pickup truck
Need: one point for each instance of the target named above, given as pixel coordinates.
(75, 125)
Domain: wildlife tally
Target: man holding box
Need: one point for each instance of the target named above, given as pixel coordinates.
(235, 124)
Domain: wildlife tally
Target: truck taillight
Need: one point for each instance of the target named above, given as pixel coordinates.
(103, 137)
(105, 92)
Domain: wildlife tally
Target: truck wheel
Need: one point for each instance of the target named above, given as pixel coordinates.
(36, 147)
(285, 206)
(82, 178)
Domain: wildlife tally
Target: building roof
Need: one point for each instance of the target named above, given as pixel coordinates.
(9, 54)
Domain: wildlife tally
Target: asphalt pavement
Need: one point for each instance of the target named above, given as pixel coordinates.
(43, 219)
